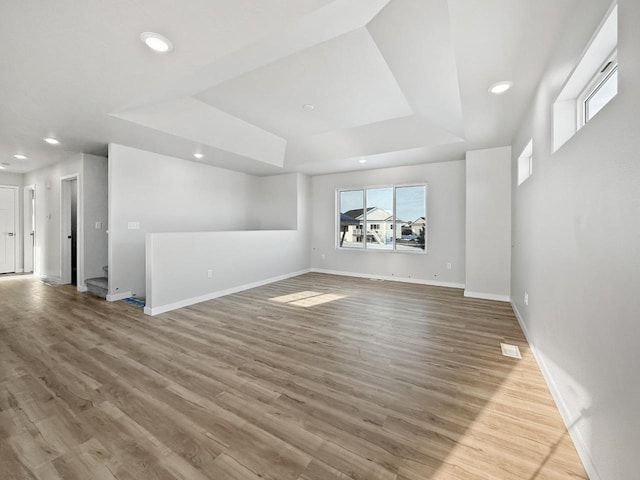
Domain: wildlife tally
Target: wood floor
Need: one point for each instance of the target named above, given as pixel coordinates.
(313, 378)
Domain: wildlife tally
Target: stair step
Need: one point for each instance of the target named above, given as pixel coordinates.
(98, 286)
(102, 282)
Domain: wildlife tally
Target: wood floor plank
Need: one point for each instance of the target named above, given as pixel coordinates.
(317, 377)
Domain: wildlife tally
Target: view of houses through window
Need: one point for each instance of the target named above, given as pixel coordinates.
(383, 218)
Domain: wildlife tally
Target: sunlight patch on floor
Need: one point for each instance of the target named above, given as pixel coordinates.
(500, 430)
(307, 298)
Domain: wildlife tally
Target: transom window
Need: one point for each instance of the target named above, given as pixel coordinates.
(525, 163)
(593, 83)
(390, 218)
(602, 88)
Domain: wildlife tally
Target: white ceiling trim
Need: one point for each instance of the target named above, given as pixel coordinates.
(194, 120)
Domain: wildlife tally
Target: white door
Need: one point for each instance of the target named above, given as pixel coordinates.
(7, 230)
(29, 227)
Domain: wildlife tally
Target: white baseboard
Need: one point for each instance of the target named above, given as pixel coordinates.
(19, 270)
(118, 296)
(52, 279)
(82, 288)
(487, 296)
(567, 418)
(221, 293)
(419, 281)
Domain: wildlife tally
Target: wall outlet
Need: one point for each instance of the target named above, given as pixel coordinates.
(526, 298)
(210, 273)
(449, 266)
(133, 225)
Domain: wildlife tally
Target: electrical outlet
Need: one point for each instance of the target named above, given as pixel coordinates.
(449, 266)
(133, 225)
(526, 298)
(210, 273)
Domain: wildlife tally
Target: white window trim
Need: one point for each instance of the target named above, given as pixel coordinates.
(338, 208)
(602, 75)
(526, 155)
(568, 114)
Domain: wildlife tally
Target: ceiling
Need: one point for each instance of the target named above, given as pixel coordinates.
(396, 82)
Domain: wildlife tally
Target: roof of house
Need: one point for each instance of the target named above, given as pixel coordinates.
(357, 213)
(348, 220)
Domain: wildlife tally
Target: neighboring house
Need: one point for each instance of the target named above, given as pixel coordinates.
(413, 233)
(379, 226)
(418, 226)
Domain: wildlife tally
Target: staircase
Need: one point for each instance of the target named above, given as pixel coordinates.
(376, 236)
(99, 285)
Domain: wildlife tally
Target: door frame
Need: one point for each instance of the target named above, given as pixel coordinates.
(27, 210)
(16, 226)
(65, 226)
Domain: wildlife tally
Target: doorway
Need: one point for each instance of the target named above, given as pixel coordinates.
(69, 239)
(8, 217)
(29, 228)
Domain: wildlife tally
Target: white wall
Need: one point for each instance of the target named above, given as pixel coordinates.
(576, 235)
(488, 224)
(7, 178)
(167, 194)
(177, 263)
(48, 220)
(445, 225)
(273, 203)
(95, 182)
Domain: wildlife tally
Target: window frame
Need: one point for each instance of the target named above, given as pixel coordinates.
(526, 157)
(363, 248)
(599, 79)
(568, 107)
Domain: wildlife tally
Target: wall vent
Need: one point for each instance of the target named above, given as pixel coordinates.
(510, 350)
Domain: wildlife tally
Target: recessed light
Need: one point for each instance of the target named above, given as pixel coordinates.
(2, 167)
(308, 107)
(363, 160)
(51, 141)
(198, 155)
(156, 42)
(500, 87)
(20, 156)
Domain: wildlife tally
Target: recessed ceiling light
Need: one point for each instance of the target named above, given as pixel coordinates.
(2, 167)
(51, 141)
(363, 160)
(20, 156)
(156, 42)
(198, 155)
(500, 87)
(308, 107)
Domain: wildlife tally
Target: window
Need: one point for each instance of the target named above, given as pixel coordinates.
(600, 91)
(525, 163)
(593, 83)
(369, 217)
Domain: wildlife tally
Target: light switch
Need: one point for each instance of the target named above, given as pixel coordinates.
(133, 225)
(98, 225)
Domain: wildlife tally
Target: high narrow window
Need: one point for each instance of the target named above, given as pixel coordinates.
(600, 91)
(593, 83)
(525, 163)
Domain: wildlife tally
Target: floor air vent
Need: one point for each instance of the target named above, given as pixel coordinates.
(510, 350)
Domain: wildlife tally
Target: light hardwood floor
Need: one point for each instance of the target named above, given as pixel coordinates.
(314, 378)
